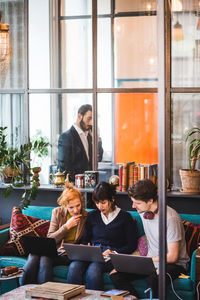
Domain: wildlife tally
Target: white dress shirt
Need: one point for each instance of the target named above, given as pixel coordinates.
(83, 137)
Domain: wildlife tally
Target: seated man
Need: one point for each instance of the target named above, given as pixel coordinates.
(145, 201)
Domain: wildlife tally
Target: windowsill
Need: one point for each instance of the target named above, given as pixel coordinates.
(51, 187)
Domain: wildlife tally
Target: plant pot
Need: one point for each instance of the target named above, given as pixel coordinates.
(190, 181)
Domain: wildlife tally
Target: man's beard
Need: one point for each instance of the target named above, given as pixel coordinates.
(83, 127)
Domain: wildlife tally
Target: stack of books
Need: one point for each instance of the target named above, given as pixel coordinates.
(130, 172)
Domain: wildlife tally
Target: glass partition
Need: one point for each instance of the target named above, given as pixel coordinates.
(185, 47)
(12, 60)
(128, 129)
(39, 45)
(76, 53)
(127, 58)
(12, 106)
(185, 115)
(61, 112)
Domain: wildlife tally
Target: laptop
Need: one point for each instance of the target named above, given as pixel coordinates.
(83, 252)
(40, 246)
(133, 264)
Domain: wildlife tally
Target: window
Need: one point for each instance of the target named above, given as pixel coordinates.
(61, 78)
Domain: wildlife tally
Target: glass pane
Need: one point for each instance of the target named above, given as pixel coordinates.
(185, 108)
(61, 112)
(103, 7)
(124, 112)
(104, 50)
(139, 5)
(135, 61)
(185, 47)
(76, 7)
(12, 116)
(76, 52)
(39, 44)
(12, 52)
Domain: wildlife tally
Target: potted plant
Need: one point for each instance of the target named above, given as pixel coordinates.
(15, 168)
(190, 178)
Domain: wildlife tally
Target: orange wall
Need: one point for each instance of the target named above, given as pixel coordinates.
(136, 129)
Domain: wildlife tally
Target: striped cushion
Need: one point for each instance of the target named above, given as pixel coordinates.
(192, 236)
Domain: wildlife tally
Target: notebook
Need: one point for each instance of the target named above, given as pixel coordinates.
(83, 252)
(40, 246)
(133, 264)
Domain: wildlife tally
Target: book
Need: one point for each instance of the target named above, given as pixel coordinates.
(55, 290)
(120, 177)
(125, 177)
(130, 173)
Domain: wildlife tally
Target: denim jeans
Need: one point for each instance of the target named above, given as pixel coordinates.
(39, 269)
(93, 272)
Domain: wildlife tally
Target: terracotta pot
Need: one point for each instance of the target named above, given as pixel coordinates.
(190, 181)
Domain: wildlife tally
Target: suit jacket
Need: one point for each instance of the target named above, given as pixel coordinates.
(57, 228)
(72, 157)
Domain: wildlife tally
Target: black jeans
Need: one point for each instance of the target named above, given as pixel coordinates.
(122, 281)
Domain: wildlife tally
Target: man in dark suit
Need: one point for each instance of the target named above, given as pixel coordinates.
(75, 145)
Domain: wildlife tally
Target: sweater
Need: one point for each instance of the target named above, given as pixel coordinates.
(120, 234)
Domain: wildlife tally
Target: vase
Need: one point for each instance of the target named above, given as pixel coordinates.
(190, 181)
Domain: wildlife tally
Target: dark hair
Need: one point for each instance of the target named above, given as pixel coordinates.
(84, 108)
(104, 191)
(143, 190)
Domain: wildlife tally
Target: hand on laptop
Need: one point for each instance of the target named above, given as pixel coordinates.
(73, 221)
(108, 252)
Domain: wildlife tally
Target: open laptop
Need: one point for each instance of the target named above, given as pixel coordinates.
(40, 246)
(133, 264)
(83, 252)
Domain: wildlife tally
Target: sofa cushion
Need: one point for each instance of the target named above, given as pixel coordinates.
(192, 236)
(20, 226)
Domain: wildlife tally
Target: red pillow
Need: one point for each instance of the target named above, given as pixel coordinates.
(20, 226)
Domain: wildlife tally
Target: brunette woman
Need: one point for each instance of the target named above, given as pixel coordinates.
(108, 227)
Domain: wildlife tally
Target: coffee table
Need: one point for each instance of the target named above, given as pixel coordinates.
(19, 294)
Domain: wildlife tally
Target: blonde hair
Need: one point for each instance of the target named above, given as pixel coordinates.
(69, 193)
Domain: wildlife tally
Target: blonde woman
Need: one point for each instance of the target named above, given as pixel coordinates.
(67, 223)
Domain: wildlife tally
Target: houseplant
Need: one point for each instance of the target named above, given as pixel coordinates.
(15, 168)
(190, 178)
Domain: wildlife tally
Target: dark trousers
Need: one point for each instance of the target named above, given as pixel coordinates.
(39, 269)
(122, 281)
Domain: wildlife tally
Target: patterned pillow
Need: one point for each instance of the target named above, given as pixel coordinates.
(20, 226)
(142, 247)
(192, 236)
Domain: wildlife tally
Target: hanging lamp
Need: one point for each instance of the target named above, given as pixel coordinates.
(177, 32)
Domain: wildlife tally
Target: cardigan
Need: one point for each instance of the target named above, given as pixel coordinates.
(58, 229)
(120, 234)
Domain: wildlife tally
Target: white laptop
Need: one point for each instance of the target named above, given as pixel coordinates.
(83, 252)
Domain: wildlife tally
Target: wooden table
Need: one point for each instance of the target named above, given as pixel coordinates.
(19, 294)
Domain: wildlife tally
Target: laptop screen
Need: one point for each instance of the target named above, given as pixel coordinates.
(40, 246)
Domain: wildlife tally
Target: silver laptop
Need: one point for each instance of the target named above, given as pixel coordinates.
(133, 264)
(83, 252)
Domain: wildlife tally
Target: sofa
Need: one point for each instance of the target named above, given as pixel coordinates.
(184, 287)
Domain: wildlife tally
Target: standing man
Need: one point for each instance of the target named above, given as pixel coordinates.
(145, 200)
(75, 144)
